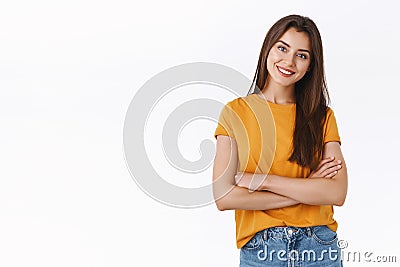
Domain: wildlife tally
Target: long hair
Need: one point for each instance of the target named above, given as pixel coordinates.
(311, 91)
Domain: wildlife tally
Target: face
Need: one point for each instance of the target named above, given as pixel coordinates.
(289, 58)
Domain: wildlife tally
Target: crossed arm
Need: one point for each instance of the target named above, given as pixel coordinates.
(327, 185)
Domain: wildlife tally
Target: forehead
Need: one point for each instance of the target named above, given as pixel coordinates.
(296, 40)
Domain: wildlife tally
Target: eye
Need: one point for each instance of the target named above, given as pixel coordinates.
(302, 56)
(282, 48)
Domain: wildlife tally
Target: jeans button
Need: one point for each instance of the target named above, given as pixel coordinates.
(290, 231)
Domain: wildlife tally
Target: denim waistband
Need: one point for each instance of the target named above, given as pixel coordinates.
(287, 232)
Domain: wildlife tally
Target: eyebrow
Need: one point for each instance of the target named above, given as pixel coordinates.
(303, 50)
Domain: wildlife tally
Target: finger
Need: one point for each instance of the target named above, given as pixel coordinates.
(331, 174)
(323, 166)
(333, 164)
(329, 165)
(331, 170)
(324, 161)
(238, 178)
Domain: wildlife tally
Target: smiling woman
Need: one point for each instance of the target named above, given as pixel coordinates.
(278, 161)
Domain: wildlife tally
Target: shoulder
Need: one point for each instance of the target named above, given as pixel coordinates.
(331, 132)
(240, 103)
(330, 114)
(235, 102)
(329, 110)
(330, 119)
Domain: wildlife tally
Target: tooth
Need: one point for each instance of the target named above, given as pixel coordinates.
(285, 71)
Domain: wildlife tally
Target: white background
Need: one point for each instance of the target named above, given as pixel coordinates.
(68, 71)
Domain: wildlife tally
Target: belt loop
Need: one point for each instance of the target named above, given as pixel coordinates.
(309, 231)
(265, 234)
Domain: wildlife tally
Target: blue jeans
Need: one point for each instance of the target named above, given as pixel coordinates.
(292, 247)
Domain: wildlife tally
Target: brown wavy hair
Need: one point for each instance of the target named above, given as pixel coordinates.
(311, 91)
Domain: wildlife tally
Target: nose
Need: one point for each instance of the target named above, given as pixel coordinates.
(289, 59)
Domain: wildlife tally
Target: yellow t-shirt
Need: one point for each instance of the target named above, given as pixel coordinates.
(263, 132)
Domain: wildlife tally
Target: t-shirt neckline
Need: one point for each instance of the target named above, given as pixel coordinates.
(271, 104)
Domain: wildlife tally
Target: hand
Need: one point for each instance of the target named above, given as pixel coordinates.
(327, 168)
(243, 181)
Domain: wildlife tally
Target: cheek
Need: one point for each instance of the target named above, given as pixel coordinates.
(271, 60)
(273, 57)
(303, 66)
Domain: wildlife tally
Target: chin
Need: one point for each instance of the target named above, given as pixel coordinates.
(286, 84)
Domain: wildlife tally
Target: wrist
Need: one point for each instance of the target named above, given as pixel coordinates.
(268, 181)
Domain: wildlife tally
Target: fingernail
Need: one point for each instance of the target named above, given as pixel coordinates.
(339, 161)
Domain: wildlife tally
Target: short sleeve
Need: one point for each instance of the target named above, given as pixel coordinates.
(331, 132)
(224, 126)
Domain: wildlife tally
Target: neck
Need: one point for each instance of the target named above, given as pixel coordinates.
(278, 94)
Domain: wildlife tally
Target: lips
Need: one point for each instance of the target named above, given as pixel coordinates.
(285, 72)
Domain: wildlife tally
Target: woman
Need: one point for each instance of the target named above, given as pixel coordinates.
(278, 161)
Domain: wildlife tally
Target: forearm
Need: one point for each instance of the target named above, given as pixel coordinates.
(327, 185)
(240, 198)
(311, 191)
(315, 191)
(229, 196)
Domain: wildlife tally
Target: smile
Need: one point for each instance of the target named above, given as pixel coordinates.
(285, 72)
